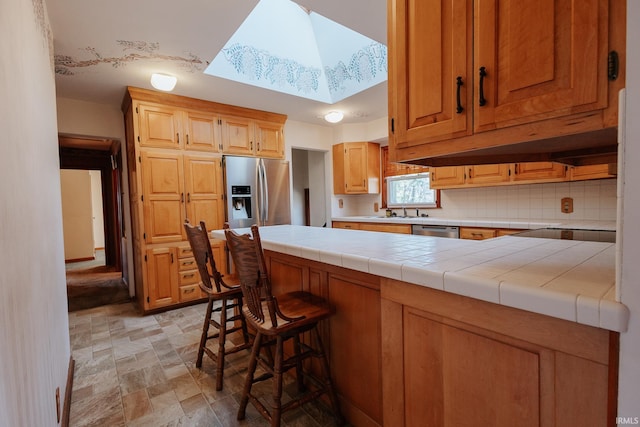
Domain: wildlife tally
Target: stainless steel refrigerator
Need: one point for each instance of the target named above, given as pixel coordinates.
(257, 191)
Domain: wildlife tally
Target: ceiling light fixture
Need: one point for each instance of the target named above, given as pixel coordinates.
(163, 82)
(334, 116)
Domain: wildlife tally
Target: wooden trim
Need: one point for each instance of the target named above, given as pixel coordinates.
(393, 361)
(556, 334)
(89, 258)
(146, 95)
(66, 408)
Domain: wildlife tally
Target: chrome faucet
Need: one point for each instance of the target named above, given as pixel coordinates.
(405, 211)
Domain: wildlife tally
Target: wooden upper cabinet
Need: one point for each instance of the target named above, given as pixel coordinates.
(169, 127)
(159, 126)
(488, 174)
(541, 59)
(356, 168)
(447, 176)
(201, 133)
(269, 139)
(539, 171)
(429, 70)
(529, 71)
(237, 135)
(579, 173)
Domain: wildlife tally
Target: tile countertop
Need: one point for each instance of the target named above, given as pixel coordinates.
(567, 279)
(485, 222)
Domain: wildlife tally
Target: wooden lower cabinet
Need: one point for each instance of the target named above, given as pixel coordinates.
(455, 361)
(162, 276)
(352, 336)
(374, 226)
(480, 233)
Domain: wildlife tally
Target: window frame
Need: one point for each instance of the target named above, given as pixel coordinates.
(391, 178)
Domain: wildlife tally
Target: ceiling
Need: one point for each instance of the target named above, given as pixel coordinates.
(102, 47)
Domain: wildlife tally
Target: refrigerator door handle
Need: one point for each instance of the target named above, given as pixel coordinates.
(265, 193)
(259, 192)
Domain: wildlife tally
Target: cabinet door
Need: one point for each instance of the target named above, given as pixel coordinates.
(355, 343)
(237, 135)
(201, 131)
(204, 191)
(159, 126)
(543, 58)
(430, 47)
(539, 171)
(163, 196)
(488, 174)
(355, 163)
(579, 173)
(447, 176)
(457, 378)
(269, 139)
(162, 275)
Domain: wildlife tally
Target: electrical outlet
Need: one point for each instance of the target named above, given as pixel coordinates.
(375, 207)
(566, 205)
(340, 203)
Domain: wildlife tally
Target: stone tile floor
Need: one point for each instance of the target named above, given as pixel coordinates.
(134, 370)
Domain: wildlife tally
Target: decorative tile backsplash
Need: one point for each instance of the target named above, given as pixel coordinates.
(592, 200)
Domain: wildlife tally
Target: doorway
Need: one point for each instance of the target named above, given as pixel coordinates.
(100, 284)
(309, 189)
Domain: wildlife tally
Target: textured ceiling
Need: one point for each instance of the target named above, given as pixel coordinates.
(102, 47)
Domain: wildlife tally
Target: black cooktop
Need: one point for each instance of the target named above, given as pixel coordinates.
(571, 234)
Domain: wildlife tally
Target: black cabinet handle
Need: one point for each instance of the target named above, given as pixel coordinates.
(459, 84)
(483, 73)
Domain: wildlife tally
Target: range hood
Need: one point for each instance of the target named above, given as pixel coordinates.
(596, 147)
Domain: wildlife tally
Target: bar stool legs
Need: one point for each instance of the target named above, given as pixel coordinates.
(276, 371)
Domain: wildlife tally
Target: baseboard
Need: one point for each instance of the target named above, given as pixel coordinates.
(66, 409)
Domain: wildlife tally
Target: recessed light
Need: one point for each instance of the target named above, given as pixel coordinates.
(163, 82)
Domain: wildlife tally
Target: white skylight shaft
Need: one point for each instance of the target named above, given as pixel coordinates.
(281, 47)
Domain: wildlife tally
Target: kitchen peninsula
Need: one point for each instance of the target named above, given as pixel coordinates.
(493, 332)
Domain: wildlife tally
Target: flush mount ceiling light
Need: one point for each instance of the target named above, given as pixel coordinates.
(163, 82)
(334, 116)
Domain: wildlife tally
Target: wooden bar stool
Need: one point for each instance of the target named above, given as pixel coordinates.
(230, 297)
(276, 321)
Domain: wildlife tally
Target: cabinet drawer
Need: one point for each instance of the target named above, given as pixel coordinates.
(189, 292)
(346, 224)
(188, 277)
(186, 264)
(477, 233)
(185, 252)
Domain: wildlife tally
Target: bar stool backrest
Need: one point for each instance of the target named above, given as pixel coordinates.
(201, 247)
(248, 258)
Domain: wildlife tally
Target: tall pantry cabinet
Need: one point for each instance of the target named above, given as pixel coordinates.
(174, 151)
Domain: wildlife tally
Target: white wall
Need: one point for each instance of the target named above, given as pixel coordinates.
(34, 330)
(300, 173)
(97, 209)
(629, 378)
(77, 214)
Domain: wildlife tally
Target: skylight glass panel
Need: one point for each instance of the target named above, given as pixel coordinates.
(281, 46)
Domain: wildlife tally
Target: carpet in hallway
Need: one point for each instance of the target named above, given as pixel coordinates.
(94, 287)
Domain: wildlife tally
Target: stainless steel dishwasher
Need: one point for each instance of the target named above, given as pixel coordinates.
(436, 231)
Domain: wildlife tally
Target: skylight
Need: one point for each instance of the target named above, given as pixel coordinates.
(283, 47)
